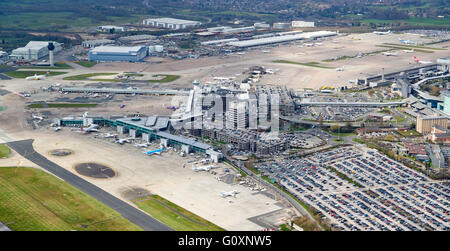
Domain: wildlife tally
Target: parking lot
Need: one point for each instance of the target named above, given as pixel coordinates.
(361, 189)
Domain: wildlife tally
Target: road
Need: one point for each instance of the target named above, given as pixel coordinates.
(143, 220)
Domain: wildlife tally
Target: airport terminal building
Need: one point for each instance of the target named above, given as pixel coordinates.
(118, 53)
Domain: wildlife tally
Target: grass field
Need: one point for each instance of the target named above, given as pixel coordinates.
(24, 74)
(311, 64)
(86, 64)
(57, 66)
(32, 200)
(166, 79)
(89, 76)
(62, 105)
(416, 46)
(4, 151)
(412, 21)
(173, 219)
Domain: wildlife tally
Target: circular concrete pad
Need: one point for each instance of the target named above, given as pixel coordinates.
(95, 170)
(61, 152)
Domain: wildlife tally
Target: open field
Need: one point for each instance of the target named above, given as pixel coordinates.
(311, 64)
(4, 151)
(24, 74)
(33, 200)
(62, 105)
(89, 76)
(86, 64)
(172, 215)
(166, 79)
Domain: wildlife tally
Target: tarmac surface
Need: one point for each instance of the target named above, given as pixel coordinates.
(146, 222)
(95, 170)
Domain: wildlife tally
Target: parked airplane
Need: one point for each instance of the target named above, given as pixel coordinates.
(36, 77)
(123, 141)
(421, 62)
(90, 128)
(109, 135)
(240, 53)
(57, 129)
(231, 193)
(157, 151)
(340, 69)
(264, 51)
(382, 32)
(406, 41)
(389, 53)
(37, 117)
(203, 168)
(408, 51)
(141, 145)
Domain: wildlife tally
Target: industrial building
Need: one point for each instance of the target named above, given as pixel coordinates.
(302, 24)
(261, 25)
(97, 42)
(281, 26)
(109, 28)
(171, 23)
(447, 102)
(425, 123)
(34, 50)
(281, 39)
(118, 53)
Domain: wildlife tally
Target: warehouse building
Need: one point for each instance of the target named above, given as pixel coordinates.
(118, 53)
(171, 23)
(97, 42)
(302, 24)
(34, 50)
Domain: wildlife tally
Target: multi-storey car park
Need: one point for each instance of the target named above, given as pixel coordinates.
(361, 189)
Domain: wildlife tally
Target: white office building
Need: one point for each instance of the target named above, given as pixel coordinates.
(34, 50)
(302, 24)
(171, 23)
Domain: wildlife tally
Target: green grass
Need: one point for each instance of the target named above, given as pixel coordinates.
(311, 64)
(89, 76)
(4, 151)
(403, 48)
(33, 200)
(345, 177)
(87, 64)
(57, 66)
(62, 105)
(173, 219)
(412, 21)
(342, 134)
(24, 74)
(416, 46)
(166, 79)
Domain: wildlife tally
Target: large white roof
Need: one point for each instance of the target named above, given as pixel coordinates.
(172, 20)
(117, 49)
(280, 39)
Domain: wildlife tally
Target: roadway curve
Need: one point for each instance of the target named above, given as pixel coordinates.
(143, 220)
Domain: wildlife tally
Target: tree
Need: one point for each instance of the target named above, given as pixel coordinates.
(390, 137)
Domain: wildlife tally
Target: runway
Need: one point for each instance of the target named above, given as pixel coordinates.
(143, 220)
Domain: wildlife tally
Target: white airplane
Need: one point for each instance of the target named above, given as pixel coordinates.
(382, 32)
(231, 193)
(109, 135)
(408, 51)
(36, 77)
(389, 53)
(240, 53)
(37, 117)
(141, 145)
(406, 41)
(203, 168)
(57, 129)
(340, 69)
(264, 51)
(421, 62)
(122, 141)
(90, 128)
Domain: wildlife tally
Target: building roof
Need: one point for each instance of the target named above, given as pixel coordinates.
(117, 49)
(172, 20)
